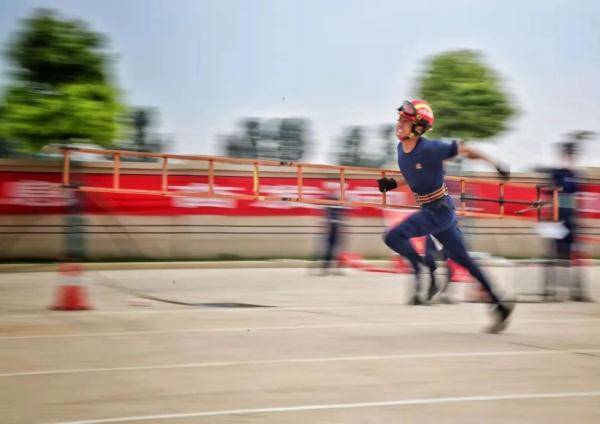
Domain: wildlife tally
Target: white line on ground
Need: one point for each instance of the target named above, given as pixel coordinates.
(286, 328)
(301, 360)
(199, 309)
(400, 402)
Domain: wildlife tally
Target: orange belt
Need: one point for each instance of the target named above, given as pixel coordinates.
(440, 193)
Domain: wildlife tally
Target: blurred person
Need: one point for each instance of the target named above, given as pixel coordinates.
(421, 162)
(567, 180)
(75, 219)
(332, 237)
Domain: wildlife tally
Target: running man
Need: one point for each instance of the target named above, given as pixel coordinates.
(421, 162)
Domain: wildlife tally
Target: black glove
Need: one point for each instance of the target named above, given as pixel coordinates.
(386, 184)
(503, 170)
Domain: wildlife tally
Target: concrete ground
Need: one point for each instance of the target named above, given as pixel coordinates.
(335, 349)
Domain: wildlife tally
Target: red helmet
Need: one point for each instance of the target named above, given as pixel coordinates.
(419, 112)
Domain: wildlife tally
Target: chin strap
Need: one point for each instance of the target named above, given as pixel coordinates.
(413, 133)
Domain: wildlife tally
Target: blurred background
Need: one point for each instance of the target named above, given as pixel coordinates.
(196, 77)
(304, 81)
(208, 307)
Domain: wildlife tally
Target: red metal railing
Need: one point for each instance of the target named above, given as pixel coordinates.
(536, 204)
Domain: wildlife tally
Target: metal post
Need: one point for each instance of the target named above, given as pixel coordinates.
(165, 174)
(342, 185)
(384, 194)
(256, 181)
(299, 179)
(117, 170)
(66, 167)
(211, 176)
(463, 203)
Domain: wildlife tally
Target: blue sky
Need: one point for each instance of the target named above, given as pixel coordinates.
(205, 64)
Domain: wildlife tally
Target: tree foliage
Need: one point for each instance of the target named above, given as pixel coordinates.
(353, 149)
(61, 90)
(142, 135)
(350, 152)
(466, 96)
(284, 139)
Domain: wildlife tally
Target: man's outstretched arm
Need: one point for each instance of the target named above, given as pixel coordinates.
(471, 153)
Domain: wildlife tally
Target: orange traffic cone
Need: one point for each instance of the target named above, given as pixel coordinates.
(71, 294)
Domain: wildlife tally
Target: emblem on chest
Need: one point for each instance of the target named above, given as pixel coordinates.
(418, 166)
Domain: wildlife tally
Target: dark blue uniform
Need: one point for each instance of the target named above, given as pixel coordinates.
(566, 179)
(558, 272)
(335, 217)
(423, 171)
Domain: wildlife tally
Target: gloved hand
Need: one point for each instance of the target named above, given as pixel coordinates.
(386, 184)
(503, 170)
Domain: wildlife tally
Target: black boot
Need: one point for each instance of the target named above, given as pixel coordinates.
(416, 298)
(433, 288)
(581, 298)
(577, 290)
(416, 301)
(501, 312)
(444, 295)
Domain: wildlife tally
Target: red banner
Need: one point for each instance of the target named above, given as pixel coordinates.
(41, 193)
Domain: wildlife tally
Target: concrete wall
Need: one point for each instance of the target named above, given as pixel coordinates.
(203, 237)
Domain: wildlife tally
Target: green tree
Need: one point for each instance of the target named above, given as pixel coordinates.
(141, 121)
(387, 133)
(140, 133)
(61, 91)
(252, 136)
(350, 153)
(285, 139)
(466, 95)
(292, 139)
(356, 149)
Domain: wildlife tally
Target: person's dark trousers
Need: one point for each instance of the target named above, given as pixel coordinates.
(331, 243)
(438, 220)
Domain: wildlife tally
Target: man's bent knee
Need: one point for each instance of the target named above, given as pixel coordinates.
(392, 237)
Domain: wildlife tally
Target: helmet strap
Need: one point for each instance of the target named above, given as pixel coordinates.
(413, 132)
(411, 135)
